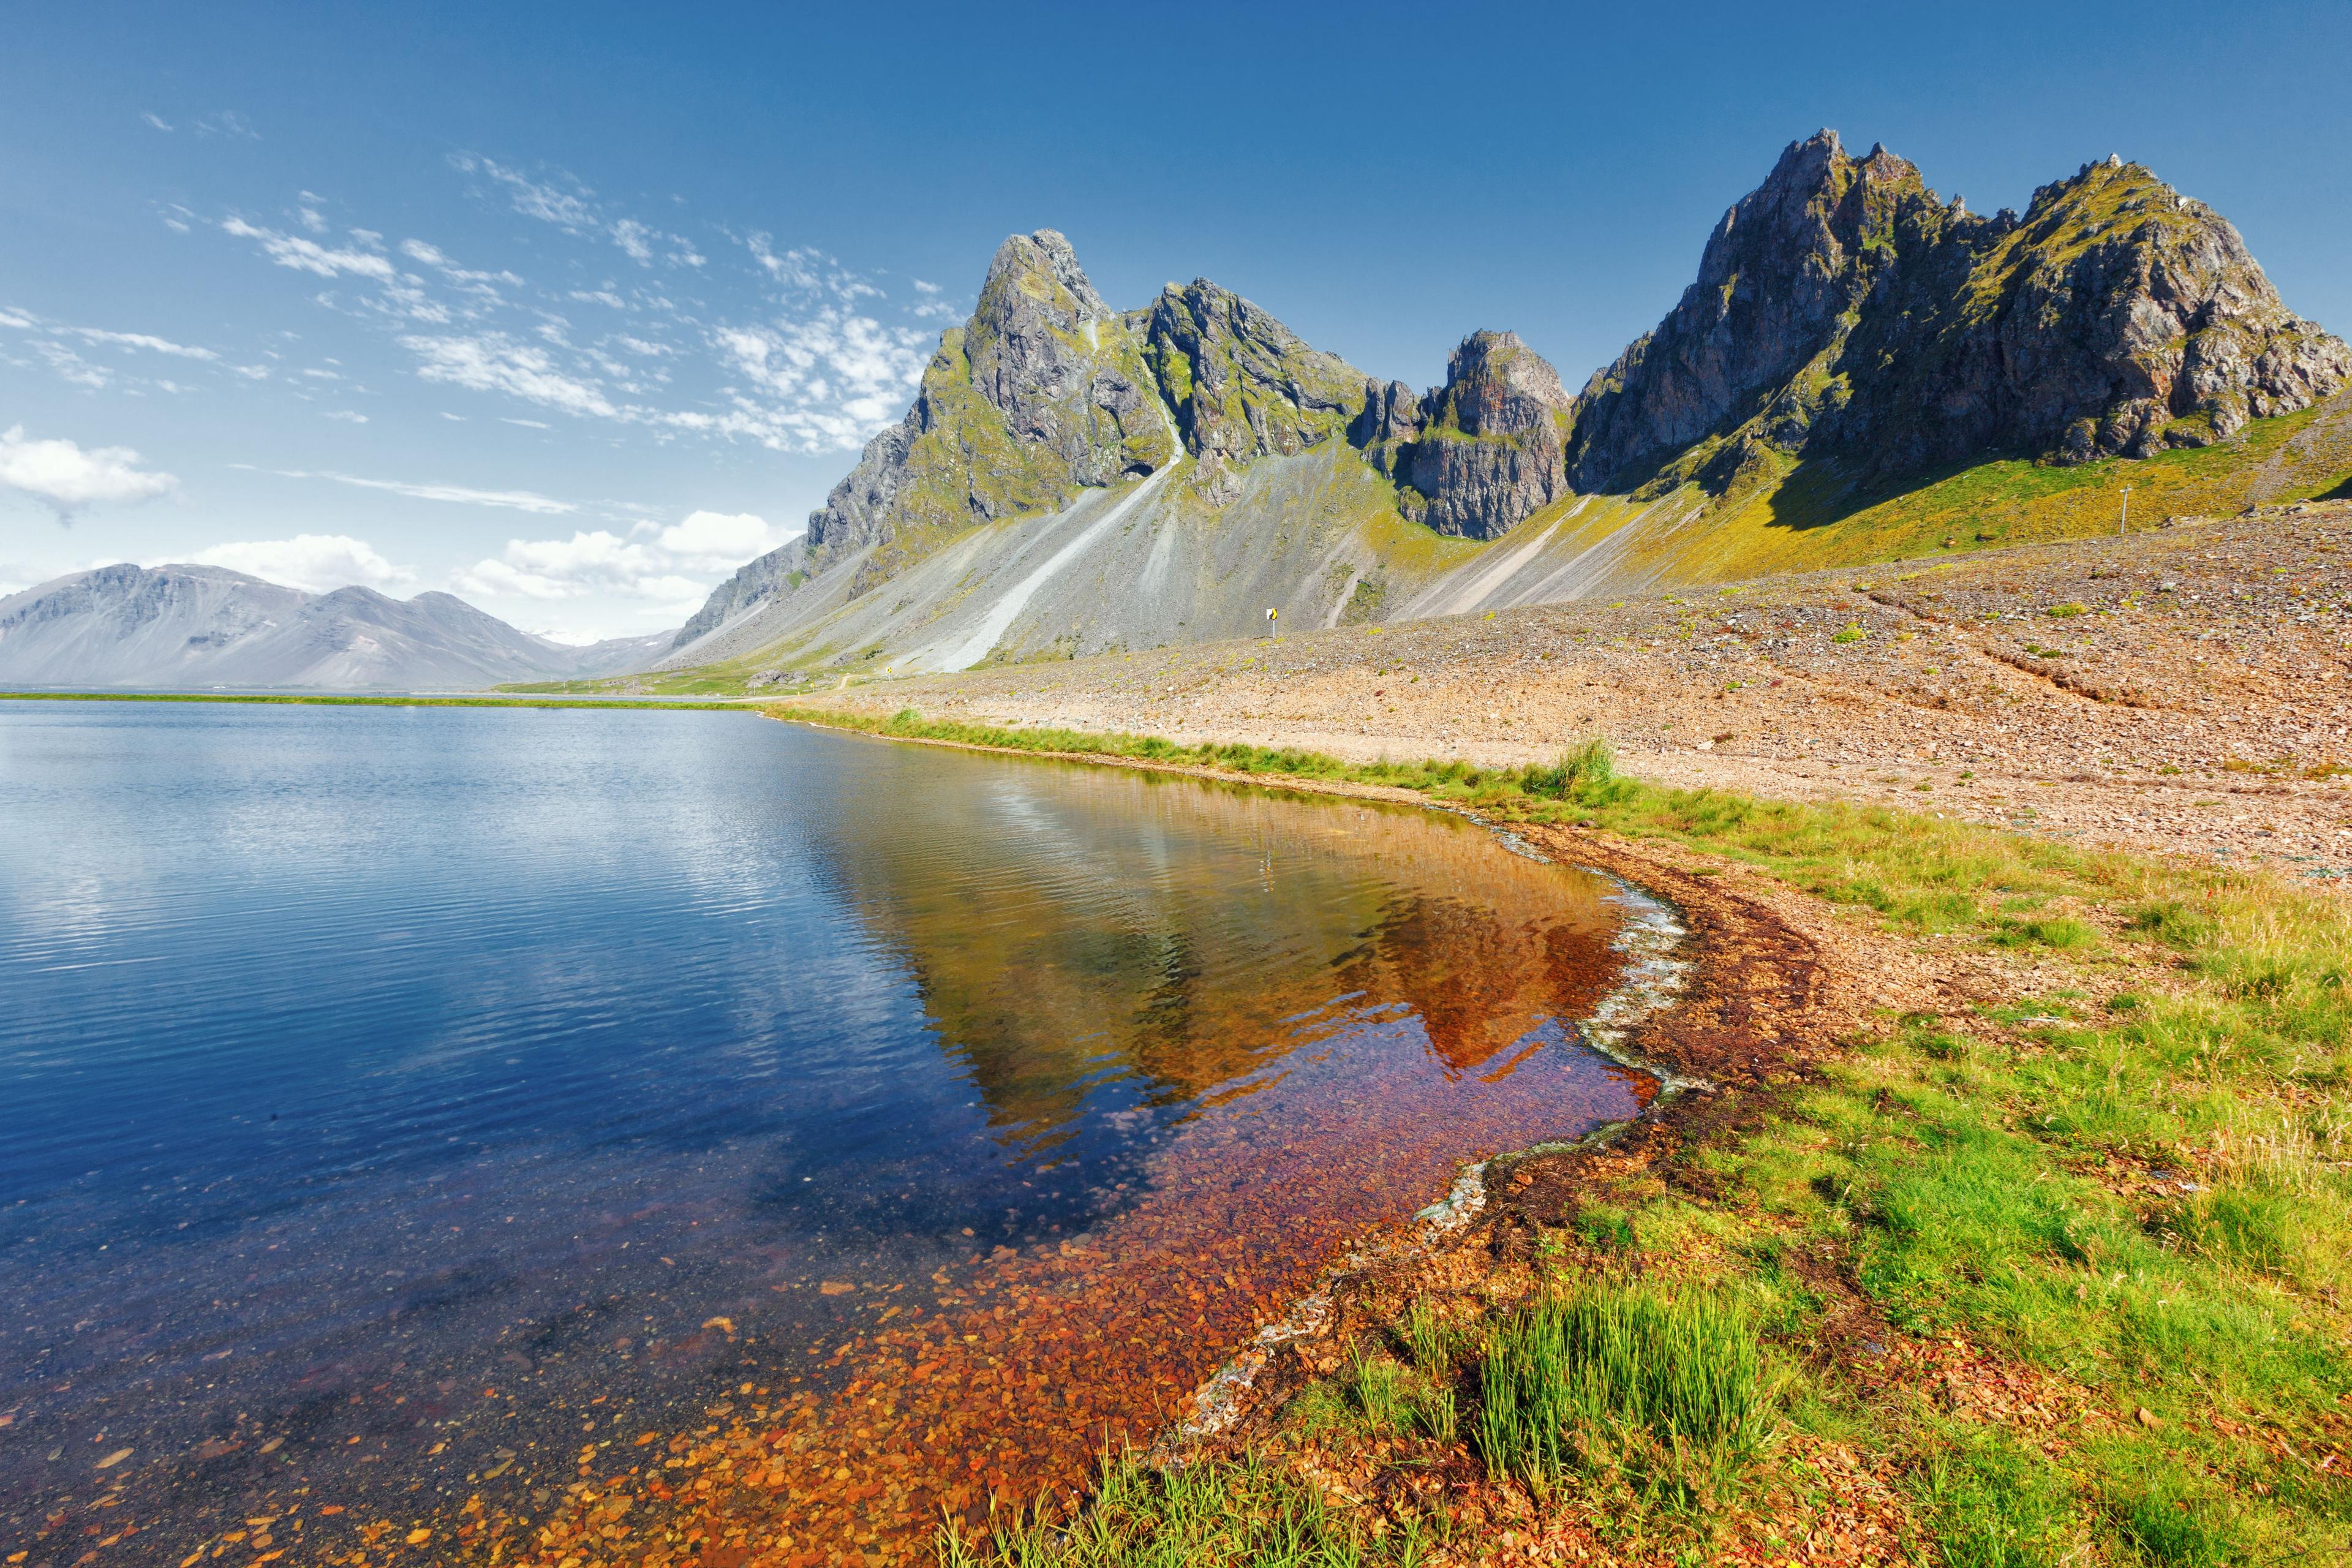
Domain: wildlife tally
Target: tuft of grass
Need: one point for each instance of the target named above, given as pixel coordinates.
(1591, 764)
(2170, 921)
(2060, 932)
(1241, 1514)
(1666, 1390)
(1428, 1339)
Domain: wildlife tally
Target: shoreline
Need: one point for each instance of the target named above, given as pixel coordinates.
(1234, 1393)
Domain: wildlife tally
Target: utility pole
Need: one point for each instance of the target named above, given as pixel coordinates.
(2123, 524)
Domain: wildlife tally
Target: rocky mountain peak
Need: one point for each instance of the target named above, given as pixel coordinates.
(1478, 455)
(1041, 393)
(1035, 344)
(1241, 384)
(1840, 312)
(1497, 385)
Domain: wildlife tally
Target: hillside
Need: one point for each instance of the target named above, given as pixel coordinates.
(180, 626)
(1861, 371)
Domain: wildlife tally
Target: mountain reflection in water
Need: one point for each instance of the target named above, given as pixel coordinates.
(1130, 923)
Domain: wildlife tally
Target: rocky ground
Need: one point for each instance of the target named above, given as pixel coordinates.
(2183, 689)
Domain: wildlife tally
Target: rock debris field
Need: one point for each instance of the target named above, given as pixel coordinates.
(2178, 690)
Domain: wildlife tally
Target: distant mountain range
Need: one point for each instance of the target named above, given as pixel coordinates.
(1859, 371)
(178, 628)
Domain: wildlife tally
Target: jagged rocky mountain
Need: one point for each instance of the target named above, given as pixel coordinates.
(1073, 477)
(177, 627)
(1841, 309)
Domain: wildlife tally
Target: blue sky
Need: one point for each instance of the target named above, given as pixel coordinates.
(573, 307)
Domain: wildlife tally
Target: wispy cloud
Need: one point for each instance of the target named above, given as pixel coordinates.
(52, 344)
(573, 206)
(511, 501)
(492, 361)
(68, 478)
(819, 365)
(227, 122)
(147, 341)
(308, 254)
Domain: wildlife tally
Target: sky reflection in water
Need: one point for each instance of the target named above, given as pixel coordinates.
(363, 1060)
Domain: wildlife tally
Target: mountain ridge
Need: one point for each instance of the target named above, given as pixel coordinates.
(180, 626)
(1848, 333)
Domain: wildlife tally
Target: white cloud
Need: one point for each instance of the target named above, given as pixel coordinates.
(636, 239)
(492, 361)
(310, 256)
(347, 416)
(576, 211)
(587, 562)
(64, 478)
(841, 375)
(70, 365)
(141, 341)
(512, 500)
(707, 544)
(227, 122)
(155, 119)
(526, 424)
(315, 561)
(717, 540)
(565, 209)
(923, 288)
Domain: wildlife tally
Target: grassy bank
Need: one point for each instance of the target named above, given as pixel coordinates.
(323, 700)
(2062, 1276)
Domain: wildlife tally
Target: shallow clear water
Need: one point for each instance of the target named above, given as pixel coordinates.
(399, 1095)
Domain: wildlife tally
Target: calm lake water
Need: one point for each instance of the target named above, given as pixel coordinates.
(416, 1113)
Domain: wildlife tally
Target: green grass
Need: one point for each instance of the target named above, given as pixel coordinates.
(1813, 516)
(1666, 1392)
(2132, 1181)
(303, 701)
(1244, 1514)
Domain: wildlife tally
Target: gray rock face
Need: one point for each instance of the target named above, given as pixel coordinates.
(1390, 416)
(1242, 385)
(1034, 346)
(1841, 310)
(181, 627)
(758, 583)
(1483, 452)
